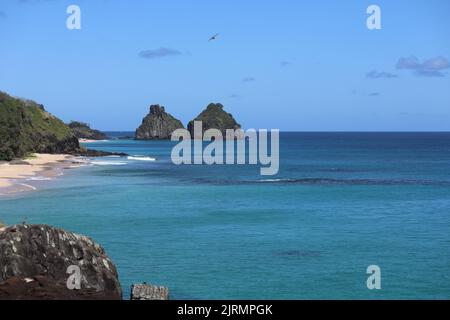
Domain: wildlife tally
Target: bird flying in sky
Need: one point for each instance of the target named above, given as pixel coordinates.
(214, 37)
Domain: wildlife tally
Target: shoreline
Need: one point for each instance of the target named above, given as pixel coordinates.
(82, 140)
(17, 176)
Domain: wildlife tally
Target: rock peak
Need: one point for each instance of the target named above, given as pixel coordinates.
(157, 125)
(157, 109)
(214, 106)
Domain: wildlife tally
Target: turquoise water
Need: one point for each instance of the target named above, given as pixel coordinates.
(341, 202)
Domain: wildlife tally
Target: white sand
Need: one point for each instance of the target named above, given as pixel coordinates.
(89, 140)
(36, 164)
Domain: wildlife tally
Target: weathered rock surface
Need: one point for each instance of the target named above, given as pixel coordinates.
(34, 261)
(149, 292)
(214, 117)
(157, 125)
(44, 288)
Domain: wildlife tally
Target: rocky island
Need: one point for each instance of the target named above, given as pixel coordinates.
(214, 117)
(157, 125)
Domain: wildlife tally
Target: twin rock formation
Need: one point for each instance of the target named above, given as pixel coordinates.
(159, 125)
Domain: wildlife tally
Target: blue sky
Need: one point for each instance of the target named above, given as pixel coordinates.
(292, 65)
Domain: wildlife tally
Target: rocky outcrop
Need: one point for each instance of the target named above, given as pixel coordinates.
(83, 131)
(97, 153)
(214, 117)
(35, 261)
(157, 125)
(25, 127)
(149, 292)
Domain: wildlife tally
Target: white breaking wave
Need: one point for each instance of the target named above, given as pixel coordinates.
(274, 180)
(138, 158)
(38, 178)
(108, 163)
(28, 186)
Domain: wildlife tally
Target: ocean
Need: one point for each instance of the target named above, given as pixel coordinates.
(340, 203)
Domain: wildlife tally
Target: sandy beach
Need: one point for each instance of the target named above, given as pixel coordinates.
(89, 140)
(15, 175)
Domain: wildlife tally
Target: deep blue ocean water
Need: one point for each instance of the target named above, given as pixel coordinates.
(341, 202)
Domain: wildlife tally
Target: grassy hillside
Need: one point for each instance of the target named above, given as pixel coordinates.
(25, 127)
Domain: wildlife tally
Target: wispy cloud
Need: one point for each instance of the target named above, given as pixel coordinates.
(159, 53)
(248, 79)
(429, 68)
(410, 62)
(379, 75)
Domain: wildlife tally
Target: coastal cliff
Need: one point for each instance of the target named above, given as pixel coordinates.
(26, 127)
(214, 117)
(83, 131)
(157, 125)
(34, 262)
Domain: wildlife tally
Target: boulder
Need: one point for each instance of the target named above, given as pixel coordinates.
(157, 125)
(35, 261)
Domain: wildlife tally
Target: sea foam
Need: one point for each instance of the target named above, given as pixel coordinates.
(139, 158)
(108, 163)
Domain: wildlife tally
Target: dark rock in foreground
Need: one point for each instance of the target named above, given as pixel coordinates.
(44, 288)
(83, 131)
(34, 261)
(149, 292)
(157, 125)
(214, 117)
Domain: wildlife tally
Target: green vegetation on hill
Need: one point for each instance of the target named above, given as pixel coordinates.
(214, 117)
(25, 127)
(83, 131)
